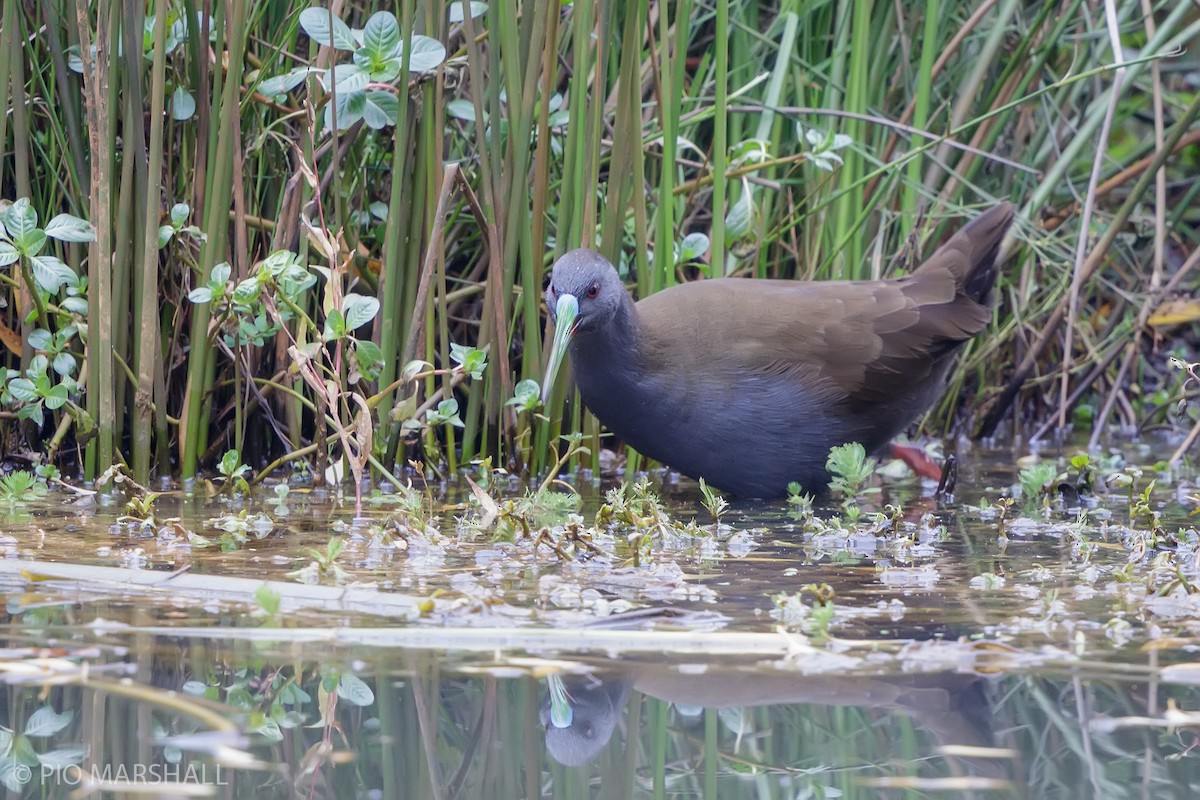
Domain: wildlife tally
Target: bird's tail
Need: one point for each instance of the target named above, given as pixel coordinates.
(971, 253)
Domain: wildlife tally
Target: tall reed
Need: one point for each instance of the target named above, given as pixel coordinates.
(804, 141)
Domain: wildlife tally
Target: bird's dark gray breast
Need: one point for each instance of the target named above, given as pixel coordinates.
(747, 434)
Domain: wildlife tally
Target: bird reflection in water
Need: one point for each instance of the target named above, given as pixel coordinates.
(580, 713)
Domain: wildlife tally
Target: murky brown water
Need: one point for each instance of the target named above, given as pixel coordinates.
(948, 660)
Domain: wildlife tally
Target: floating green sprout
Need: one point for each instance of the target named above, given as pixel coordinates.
(234, 472)
(1037, 481)
(850, 468)
(20, 487)
(323, 567)
(713, 502)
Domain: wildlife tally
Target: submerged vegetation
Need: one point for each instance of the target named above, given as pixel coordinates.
(317, 236)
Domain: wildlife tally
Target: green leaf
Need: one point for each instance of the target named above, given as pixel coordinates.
(165, 232)
(335, 326)
(268, 599)
(64, 364)
(201, 294)
(56, 397)
(8, 254)
(230, 462)
(180, 29)
(14, 776)
(69, 228)
(346, 79)
(739, 221)
(179, 214)
(282, 84)
(278, 262)
(1036, 479)
(183, 105)
(414, 368)
(353, 689)
(477, 8)
(526, 395)
(268, 729)
(75, 305)
(61, 758)
(31, 243)
(369, 357)
(384, 71)
(317, 24)
(850, 467)
(380, 109)
(349, 111)
(20, 219)
(750, 151)
(471, 360)
(221, 272)
(40, 339)
(47, 722)
(559, 119)
(17, 488)
(694, 246)
(426, 54)
(51, 273)
(32, 411)
(446, 412)
(75, 58)
(37, 366)
(461, 109)
(247, 291)
(23, 751)
(381, 37)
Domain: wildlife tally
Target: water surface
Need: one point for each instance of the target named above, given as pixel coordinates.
(962, 649)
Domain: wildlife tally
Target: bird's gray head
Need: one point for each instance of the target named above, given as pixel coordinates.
(584, 294)
(591, 280)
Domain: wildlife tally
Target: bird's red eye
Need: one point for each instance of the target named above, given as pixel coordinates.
(593, 290)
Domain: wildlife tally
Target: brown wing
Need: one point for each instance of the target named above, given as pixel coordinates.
(863, 341)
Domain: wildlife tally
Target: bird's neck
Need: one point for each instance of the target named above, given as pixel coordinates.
(608, 354)
(619, 381)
